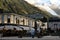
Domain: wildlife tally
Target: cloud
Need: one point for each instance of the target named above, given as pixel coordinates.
(57, 2)
(39, 2)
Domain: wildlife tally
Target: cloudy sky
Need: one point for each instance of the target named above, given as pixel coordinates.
(57, 2)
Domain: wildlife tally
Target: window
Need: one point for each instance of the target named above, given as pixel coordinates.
(17, 21)
(8, 20)
(1, 10)
(0, 19)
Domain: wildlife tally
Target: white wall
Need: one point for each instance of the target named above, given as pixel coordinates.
(53, 26)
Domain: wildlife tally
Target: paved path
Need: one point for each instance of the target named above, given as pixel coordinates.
(29, 38)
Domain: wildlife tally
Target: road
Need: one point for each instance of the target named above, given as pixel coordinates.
(29, 38)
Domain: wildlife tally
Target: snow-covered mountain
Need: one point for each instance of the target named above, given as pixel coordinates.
(55, 8)
(51, 6)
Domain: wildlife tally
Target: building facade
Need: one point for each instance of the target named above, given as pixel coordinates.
(11, 20)
(54, 23)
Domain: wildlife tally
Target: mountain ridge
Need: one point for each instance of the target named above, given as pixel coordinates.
(21, 7)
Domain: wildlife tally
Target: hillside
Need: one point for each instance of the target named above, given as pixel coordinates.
(21, 7)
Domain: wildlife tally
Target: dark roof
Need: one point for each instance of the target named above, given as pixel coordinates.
(55, 19)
